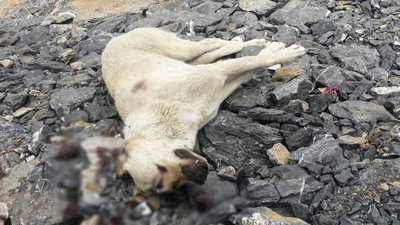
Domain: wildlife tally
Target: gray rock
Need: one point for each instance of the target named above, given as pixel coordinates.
(261, 7)
(322, 27)
(289, 172)
(113, 24)
(76, 115)
(92, 60)
(355, 57)
(325, 151)
(40, 138)
(65, 17)
(347, 221)
(36, 35)
(95, 44)
(318, 103)
(360, 112)
(319, 50)
(285, 34)
(12, 158)
(330, 77)
(208, 7)
(47, 85)
(283, 93)
(244, 19)
(25, 205)
(364, 86)
(227, 173)
(9, 38)
(97, 112)
(297, 190)
(298, 139)
(76, 80)
(263, 216)
(377, 74)
(296, 106)
(201, 21)
(376, 217)
(216, 214)
(214, 191)
(388, 56)
(260, 191)
(268, 115)
(26, 117)
(301, 211)
(245, 98)
(393, 105)
(298, 13)
(11, 133)
(65, 100)
(344, 177)
(392, 207)
(35, 174)
(326, 192)
(52, 66)
(3, 211)
(235, 140)
(324, 220)
(16, 101)
(6, 84)
(386, 92)
(33, 77)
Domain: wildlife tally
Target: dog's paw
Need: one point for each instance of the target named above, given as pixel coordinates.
(278, 53)
(291, 53)
(272, 47)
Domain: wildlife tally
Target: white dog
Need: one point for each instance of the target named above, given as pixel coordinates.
(165, 90)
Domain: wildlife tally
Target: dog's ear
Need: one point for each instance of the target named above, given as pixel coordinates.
(195, 167)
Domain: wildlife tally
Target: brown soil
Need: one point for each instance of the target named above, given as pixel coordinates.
(85, 9)
(8, 5)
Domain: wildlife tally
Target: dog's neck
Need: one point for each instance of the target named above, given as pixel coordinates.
(150, 127)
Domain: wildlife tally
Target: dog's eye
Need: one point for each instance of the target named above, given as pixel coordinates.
(161, 169)
(184, 154)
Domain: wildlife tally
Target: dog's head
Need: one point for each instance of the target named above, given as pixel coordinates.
(161, 167)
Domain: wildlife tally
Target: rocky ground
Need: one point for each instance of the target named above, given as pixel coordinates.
(316, 141)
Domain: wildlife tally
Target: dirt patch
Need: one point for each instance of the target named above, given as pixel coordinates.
(88, 9)
(7, 6)
(84, 9)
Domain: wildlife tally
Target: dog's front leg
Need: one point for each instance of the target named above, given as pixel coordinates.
(152, 199)
(239, 70)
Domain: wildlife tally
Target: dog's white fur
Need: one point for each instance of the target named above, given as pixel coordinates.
(166, 89)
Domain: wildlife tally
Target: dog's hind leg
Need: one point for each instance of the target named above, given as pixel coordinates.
(230, 48)
(168, 44)
(274, 53)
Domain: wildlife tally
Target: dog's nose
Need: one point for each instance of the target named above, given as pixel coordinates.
(196, 170)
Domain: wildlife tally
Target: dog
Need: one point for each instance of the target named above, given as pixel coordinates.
(166, 89)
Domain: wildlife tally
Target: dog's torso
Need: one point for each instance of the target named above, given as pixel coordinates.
(151, 88)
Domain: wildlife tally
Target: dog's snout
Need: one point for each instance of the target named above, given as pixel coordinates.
(196, 170)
